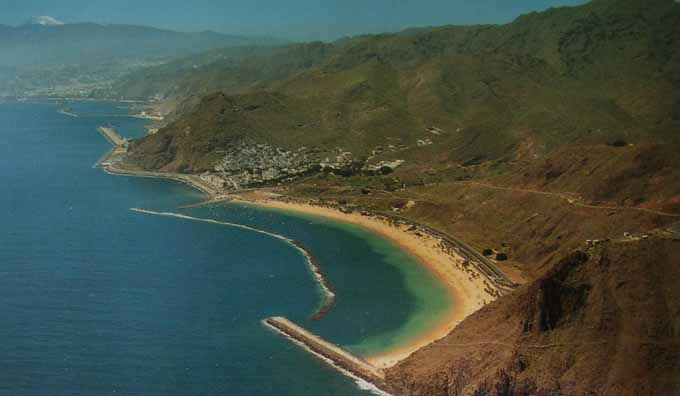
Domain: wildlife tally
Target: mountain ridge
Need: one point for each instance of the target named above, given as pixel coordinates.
(63, 44)
(84, 59)
(501, 117)
(550, 143)
(485, 81)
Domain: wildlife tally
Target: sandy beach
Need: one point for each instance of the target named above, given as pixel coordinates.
(468, 288)
(464, 283)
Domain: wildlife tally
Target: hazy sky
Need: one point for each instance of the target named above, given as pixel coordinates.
(292, 19)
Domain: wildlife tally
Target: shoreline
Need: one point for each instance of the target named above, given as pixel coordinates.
(469, 288)
(190, 180)
(466, 287)
(109, 163)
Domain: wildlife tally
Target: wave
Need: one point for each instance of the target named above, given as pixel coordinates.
(328, 295)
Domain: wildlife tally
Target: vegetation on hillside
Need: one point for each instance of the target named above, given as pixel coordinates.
(525, 139)
(598, 74)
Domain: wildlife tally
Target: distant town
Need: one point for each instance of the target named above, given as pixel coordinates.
(247, 164)
(68, 81)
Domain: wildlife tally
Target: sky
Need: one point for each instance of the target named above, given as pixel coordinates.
(301, 20)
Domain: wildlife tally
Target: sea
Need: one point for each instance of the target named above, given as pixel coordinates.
(97, 299)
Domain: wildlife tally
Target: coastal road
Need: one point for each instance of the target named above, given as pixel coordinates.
(111, 164)
(191, 180)
(484, 264)
(571, 198)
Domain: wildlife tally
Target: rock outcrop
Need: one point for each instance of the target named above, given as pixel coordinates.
(601, 322)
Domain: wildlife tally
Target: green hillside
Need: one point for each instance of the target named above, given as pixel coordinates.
(598, 73)
(526, 139)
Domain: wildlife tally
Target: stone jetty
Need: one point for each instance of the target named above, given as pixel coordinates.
(331, 353)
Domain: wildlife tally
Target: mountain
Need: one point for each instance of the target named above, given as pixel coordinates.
(48, 58)
(540, 119)
(228, 69)
(529, 139)
(591, 74)
(47, 42)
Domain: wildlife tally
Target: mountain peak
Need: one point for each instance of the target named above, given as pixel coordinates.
(45, 21)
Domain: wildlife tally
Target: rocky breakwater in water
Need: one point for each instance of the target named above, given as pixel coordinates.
(113, 162)
(339, 358)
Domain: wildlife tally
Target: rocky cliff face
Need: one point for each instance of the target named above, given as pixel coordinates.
(602, 322)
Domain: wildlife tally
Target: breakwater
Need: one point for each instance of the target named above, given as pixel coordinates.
(448, 243)
(67, 113)
(111, 162)
(203, 312)
(112, 135)
(371, 378)
(328, 300)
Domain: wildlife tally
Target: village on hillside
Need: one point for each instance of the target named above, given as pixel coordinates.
(247, 164)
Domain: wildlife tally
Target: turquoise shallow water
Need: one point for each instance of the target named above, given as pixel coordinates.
(97, 299)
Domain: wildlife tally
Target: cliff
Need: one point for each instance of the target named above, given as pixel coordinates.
(601, 322)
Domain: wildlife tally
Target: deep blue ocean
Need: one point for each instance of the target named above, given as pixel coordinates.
(100, 300)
